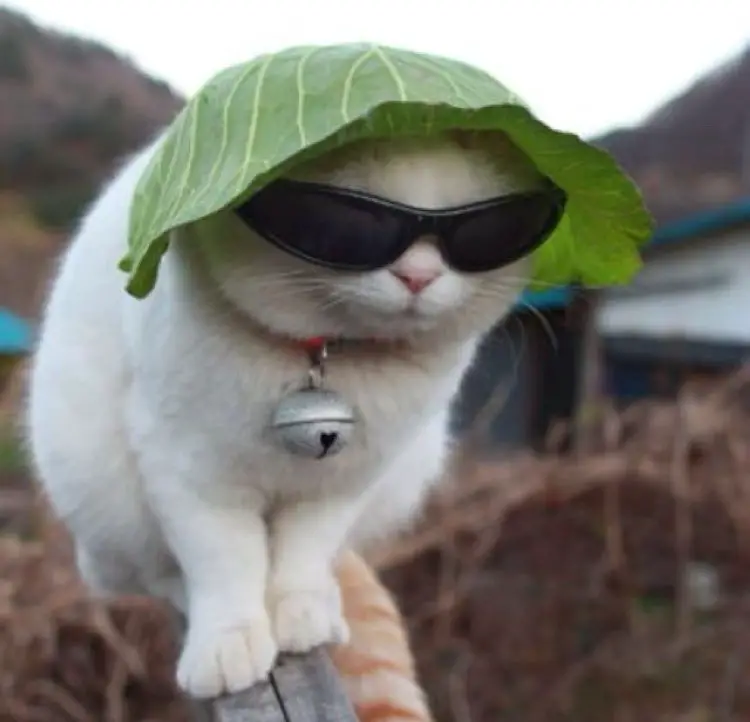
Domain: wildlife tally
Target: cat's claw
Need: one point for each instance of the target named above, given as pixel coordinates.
(307, 618)
(219, 661)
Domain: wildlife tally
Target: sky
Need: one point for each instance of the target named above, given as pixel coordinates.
(583, 65)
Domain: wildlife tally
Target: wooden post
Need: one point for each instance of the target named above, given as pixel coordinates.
(303, 688)
(590, 379)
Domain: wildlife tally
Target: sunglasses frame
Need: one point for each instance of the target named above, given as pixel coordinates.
(439, 223)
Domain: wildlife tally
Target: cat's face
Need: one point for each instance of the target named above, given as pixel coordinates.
(418, 293)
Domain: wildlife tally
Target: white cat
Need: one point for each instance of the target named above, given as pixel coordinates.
(147, 418)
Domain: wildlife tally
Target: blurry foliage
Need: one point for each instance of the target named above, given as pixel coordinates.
(12, 452)
(46, 180)
(12, 455)
(60, 207)
(13, 61)
(61, 172)
(69, 110)
(104, 125)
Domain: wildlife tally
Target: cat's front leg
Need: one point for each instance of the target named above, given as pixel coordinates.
(223, 554)
(304, 597)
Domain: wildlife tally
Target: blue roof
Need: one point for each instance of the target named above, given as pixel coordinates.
(704, 222)
(692, 226)
(15, 334)
(551, 298)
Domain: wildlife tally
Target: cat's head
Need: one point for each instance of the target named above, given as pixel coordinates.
(418, 293)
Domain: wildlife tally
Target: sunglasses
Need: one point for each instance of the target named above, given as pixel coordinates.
(351, 230)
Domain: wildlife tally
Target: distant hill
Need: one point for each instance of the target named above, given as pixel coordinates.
(68, 108)
(71, 108)
(689, 155)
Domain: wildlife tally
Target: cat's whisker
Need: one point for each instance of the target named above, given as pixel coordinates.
(518, 352)
(544, 322)
(501, 295)
(504, 295)
(331, 303)
(296, 287)
(528, 280)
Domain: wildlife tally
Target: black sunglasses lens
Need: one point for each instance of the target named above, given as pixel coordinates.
(500, 235)
(323, 228)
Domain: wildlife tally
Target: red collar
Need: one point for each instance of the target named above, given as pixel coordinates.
(314, 344)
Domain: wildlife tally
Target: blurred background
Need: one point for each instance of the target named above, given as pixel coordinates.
(588, 559)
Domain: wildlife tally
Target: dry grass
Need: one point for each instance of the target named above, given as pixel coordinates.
(546, 588)
(566, 587)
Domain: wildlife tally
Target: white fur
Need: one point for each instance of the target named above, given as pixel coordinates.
(147, 418)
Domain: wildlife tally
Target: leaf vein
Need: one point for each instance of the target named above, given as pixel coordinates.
(301, 97)
(241, 78)
(249, 147)
(391, 68)
(349, 80)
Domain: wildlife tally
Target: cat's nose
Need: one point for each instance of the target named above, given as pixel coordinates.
(416, 281)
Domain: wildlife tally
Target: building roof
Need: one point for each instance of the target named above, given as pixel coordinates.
(693, 226)
(15, 334)
(704, 223)
(551, 298)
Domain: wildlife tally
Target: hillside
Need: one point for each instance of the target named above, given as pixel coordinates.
(689, 154)
(69, 108)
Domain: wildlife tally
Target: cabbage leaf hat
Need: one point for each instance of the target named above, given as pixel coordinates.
(254, 121)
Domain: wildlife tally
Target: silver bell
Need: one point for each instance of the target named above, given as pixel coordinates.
(313, 422)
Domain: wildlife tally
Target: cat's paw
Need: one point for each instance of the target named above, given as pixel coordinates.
(307, 618)
(228, 659)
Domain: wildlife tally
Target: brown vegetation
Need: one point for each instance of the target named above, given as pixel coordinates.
(551, 587)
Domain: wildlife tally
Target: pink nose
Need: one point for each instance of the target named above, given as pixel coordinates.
(416, 281)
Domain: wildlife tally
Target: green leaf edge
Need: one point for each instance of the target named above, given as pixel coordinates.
(608, 196)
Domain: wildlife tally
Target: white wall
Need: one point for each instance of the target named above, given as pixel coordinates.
(699, 291)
